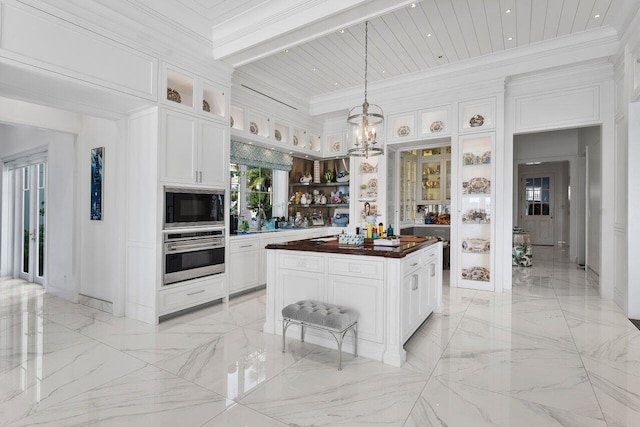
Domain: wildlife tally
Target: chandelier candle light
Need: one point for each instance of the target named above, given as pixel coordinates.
(364, 118)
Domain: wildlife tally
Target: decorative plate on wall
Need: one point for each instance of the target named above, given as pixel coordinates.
(277, 135)
(231, 120)
(480, 274)
(253, 128)
(478, 185)
(404, 131)
(295, 140)
(475, 245)
(476, 216)
(437, 126)
(205, 106)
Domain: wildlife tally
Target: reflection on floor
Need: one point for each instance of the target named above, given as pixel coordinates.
(550, 352)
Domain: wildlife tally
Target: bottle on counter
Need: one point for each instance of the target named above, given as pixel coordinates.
(390, 231)
(369, 231)
(380, 230)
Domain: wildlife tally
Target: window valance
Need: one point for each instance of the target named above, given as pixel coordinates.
(250, 155)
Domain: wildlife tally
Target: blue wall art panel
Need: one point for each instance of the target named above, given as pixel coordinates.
(97, 157)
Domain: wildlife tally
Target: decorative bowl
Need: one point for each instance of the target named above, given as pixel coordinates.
(173, 95)
(205, 106)
(476, 121)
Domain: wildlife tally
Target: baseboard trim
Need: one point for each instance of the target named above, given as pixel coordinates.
(97, 303)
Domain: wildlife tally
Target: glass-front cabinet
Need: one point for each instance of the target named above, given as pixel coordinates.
(434, 168)
(408, 186)
(476, 204)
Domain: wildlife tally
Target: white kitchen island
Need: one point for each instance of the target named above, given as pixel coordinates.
(394, 289)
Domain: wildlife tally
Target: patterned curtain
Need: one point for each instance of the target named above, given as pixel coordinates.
(250, 155)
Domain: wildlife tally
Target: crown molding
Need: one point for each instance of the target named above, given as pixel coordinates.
(581, 74)
(557, 53)
(138, 27)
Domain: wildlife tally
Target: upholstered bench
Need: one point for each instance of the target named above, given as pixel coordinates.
(336, 320)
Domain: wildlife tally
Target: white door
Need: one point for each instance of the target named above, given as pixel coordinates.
(32, 208)
(536, 208)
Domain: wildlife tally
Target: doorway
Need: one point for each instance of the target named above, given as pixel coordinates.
(30, 204)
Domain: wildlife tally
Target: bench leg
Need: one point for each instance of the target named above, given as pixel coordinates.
(302, 332)
(340, 352)
(355, 339)
(285, 325)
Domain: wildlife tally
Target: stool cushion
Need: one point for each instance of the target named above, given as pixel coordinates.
(317, 313)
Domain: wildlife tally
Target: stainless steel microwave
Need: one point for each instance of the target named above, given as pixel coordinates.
(186, 207)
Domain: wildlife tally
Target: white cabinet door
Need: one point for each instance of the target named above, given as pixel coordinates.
(213, 154)
(244, 270)
(298, 285)
(179, 145)
(408, 283)
(366, 297)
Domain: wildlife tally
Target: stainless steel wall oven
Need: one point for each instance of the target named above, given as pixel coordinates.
(193, 254)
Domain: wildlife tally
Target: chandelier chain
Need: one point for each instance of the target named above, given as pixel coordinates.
(366, 57)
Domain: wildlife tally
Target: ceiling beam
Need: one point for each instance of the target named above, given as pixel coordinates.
(268, 30)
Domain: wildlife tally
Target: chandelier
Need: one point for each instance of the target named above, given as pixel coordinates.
(364, 118)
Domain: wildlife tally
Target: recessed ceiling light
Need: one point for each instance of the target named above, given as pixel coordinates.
(383, 71)
(335, 84)
(342, 31)
(290, 152)
(286, 51)
(413, 5)
(314, 69)
(507, 11)
(597, 16)
(307, 156)
(510, 38)
(429, 35)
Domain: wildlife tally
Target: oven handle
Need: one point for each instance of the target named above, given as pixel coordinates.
(190, 247)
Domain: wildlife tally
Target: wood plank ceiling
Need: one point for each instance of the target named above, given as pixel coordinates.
(425, 35)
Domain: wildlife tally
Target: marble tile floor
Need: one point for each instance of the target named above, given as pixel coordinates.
(548, 353)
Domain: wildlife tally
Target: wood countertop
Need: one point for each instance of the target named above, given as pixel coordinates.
(329, 244)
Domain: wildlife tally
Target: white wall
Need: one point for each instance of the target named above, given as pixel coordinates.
(634, 207)
(590, 137)
(101, 242)
(545, 146)
(60, 268)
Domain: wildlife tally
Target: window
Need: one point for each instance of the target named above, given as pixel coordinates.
(537, 196)
(251, 188)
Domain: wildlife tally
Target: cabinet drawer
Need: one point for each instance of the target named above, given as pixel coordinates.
(243, 245)
(173, 299)
(357, 268)
(411, 263)
(302, 263)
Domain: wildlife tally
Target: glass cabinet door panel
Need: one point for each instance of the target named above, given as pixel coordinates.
(408, 174)
(431, 183)
(448, 181)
